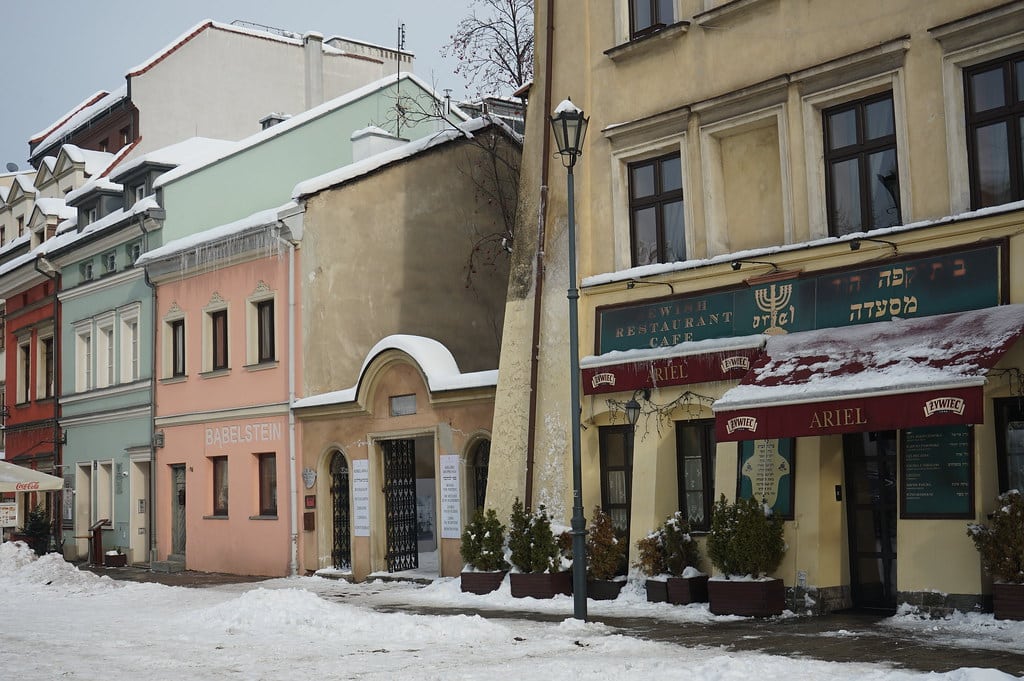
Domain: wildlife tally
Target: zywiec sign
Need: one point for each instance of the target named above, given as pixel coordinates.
(655, 373)
(951, 282)
(854, 415)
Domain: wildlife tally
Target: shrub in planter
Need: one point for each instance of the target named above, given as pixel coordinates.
(483, 549)
(651, 562)
(671, 553)
(745, 543)
(534, 552)
(1001, 545)
(606, 556)
(37, 530)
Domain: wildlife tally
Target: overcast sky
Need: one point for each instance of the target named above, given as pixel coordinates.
(55, 53)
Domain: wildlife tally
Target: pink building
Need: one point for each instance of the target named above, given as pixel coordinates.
(226, 372)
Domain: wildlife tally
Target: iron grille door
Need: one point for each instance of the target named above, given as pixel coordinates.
(400, 504)
(342, 551)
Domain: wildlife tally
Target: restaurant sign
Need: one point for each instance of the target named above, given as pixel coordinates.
(918, 287)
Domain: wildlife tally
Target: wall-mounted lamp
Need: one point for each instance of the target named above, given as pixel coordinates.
(855, 244)
(633, 407)
(737, 264)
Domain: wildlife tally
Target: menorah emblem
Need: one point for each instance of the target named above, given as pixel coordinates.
(774, 302)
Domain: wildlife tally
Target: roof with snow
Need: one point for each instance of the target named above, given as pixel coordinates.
(406, 151)
(435, 361)
(87, 102)
(80, 117)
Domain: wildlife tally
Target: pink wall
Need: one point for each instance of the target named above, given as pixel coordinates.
(238, 413)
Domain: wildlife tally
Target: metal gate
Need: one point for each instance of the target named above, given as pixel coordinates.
(178, 511)
(400, 504)
(342, 551)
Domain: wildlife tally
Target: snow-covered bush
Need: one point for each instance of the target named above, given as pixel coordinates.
(1001, 543)
(606, 551)
(669, 549)
(483, 542)
(745, 538)
(531, 541)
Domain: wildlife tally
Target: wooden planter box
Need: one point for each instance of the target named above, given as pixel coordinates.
(751, 599)
(540, 584)
(657, 591)
(482, 582)
(604, 589)
(120, 560)
(1008, 601)
(686, 590)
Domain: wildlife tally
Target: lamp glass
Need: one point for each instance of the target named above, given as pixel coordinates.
(632, 411)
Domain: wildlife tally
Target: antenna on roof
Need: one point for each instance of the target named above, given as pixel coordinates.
(12, 167)
(398, 80)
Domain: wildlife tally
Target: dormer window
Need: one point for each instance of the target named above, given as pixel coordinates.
(109, 262)
(140, 193)
(90, 216)
(85, 270)
(134, 251)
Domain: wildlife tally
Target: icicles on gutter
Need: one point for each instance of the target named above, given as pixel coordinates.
(210, 256)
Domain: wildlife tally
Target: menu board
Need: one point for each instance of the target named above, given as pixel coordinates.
(766, 474)
(937, 473)
(451, 501)
(360, 498)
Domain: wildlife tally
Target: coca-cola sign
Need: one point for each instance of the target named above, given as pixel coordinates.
(26, 486)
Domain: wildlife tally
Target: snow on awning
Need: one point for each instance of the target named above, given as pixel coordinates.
(717, 359)
(901, 373)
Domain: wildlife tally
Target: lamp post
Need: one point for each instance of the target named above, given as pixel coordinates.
(570, 127)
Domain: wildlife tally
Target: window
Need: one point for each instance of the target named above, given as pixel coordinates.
(648, 16)
(994, 98)
(220, 484)
(218, 339)
(125, 136)
(90, 216)
(105, 357)
(83, 360)
(402, 405)
(129, 346)
(45, 388)
(24, 371)
(862, 177)
(177, 345)
(265, 330)
(21, 225)
(109, 262)
(616, 447)
(85, 271)
(139, 193)
(656, 210)
(3, 235)
(268, 483)
(695, 471)
(134, 251)
(1010, 443)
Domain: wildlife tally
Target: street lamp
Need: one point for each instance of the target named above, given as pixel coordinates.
(570, 127)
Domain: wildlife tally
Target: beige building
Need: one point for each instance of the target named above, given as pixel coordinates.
(404, 278)
(799, 246)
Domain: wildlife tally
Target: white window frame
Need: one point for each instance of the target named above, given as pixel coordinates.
(83, 356)
(43, 335)
(129, 356)
(106, 361)
(631, 144)
(252, 330)
(215, 305)
(953, 64)
(167, 345)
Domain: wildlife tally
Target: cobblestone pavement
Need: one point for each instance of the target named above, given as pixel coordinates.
(840, 637)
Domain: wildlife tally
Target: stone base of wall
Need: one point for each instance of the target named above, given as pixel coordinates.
(818, 600)
(939, 604)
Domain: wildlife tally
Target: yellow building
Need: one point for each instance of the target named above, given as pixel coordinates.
(799, 246)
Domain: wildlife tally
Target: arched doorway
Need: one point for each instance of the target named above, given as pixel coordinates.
(341, 548)
(480, 462)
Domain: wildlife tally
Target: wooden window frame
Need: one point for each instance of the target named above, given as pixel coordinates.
(707, 456)
(219, 477)
(265, 332)
(177, 340)
(657, 21)
(1011, 113)
(656, 200)
(218, 339)
(266, 464)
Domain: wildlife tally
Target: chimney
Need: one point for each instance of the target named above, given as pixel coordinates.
(372, 141)
(313, 45)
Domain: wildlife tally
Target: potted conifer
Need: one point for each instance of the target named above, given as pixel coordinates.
(651, 563)
(1001, 545)
(36, 532)
(483, 551)
(686, 583)
(606, 558)
(534, 554)
(745, 544)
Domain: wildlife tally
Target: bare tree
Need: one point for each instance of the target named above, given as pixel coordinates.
(494, 46)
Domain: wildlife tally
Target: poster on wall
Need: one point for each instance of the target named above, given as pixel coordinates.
(8, 515)
(361, 498)
(766, 473)
(937, 476)
(451, 499)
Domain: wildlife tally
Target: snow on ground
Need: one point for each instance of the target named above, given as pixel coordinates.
(60, 622)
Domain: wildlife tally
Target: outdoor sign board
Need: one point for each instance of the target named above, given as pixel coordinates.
(766, 473)
(360, 498)
(937, 476)
(451, 502)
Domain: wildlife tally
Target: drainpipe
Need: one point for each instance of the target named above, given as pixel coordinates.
(151, 510)
(293, 471)
(542, 212)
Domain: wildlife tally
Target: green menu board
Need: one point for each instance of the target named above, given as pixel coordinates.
(766, 474)
(937, 473)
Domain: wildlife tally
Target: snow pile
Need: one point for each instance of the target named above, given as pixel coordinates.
(964, 629)
(19, 565)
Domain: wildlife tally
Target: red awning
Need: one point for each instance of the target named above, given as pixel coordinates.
(902, 373)
(720, 359)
